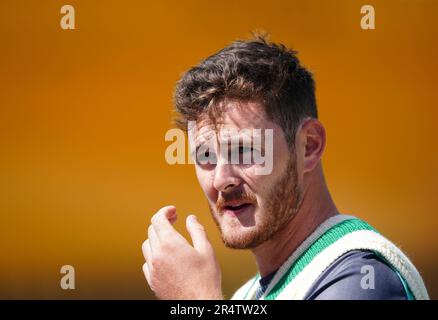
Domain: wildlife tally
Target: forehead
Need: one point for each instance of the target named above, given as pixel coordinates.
(236, 115)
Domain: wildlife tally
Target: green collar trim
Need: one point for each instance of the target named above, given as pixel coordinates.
(324, 241)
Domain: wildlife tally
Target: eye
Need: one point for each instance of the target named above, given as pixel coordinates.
(205, 157)
(245, 149)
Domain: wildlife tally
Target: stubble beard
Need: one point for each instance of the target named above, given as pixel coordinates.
(281, 206)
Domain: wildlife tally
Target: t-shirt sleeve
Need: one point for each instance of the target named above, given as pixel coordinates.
(358, 275)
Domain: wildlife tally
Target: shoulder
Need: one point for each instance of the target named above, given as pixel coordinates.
(358, 275)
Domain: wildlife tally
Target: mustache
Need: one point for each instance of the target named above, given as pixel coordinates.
(234, 196)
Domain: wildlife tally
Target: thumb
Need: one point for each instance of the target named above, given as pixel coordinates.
(198, 235)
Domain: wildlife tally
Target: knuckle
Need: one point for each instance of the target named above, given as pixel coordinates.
(155, 217)
(145, 245)
(156, 261)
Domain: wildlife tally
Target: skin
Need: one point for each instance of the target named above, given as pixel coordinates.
(171, 260)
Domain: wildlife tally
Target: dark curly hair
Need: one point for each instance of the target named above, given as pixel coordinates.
(252, 70)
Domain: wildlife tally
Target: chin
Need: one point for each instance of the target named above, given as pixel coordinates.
(236, 238)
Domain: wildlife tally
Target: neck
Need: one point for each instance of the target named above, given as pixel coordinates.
(316, 207)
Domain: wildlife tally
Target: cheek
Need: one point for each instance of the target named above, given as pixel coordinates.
(205, 180)
(262, 185)
(259, 184)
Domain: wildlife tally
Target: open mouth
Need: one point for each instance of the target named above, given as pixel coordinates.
(236, 208)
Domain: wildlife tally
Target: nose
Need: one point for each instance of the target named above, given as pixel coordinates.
(225, 177)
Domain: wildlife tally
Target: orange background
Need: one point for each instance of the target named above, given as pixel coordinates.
(83, 115)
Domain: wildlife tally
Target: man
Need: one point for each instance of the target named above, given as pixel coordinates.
(304, 248)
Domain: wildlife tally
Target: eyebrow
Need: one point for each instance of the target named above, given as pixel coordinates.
(202, 139)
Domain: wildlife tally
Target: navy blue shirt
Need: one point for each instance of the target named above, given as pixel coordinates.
(343, 280)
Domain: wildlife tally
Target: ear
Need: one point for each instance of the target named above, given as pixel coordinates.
(313, 139)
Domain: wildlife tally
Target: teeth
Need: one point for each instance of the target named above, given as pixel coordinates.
(236, 206)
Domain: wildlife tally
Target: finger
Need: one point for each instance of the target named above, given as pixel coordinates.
(146, 272)
(198, 235)
(154, 242)
(146, 248)
(172, 217)
(162, 222)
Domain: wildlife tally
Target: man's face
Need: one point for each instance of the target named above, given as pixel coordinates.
(248, 207)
